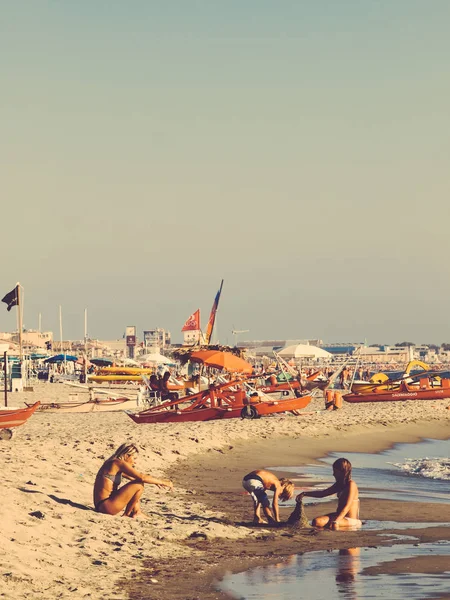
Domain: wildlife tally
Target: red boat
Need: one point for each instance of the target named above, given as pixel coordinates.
(13, 417)
(226, 401)
(273, 386)
(430, 387)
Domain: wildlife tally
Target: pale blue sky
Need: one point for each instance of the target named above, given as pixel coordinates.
(299, 150)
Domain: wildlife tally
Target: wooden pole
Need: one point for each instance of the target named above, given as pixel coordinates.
(19, 311)
(5, 372)
(85, 346)
(60, 329)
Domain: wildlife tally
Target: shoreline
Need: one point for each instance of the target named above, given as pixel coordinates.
(271, 545)
(50, 464)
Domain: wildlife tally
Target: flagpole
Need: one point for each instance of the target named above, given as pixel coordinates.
(85, 345)
(60, 329)
(40, 318)
(5, 371)
(19, 315)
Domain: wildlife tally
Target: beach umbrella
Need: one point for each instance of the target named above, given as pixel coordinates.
(304, 351)
(101, 362)
(156, 359)
(221, 360)
(61, 358)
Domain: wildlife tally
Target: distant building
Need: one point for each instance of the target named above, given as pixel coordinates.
(275, 344)
(341, 348)
(383, 354)
(99, 348)
(31, 338)
(156, 338)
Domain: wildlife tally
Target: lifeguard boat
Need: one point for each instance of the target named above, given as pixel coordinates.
(14, 417)
(424, 386)
(226, 401)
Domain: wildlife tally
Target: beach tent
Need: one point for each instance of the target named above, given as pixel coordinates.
(304, 351)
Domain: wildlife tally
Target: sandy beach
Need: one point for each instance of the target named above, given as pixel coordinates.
(54, 545)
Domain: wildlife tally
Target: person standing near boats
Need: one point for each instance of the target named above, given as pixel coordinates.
(347, 513)
(109, 498)
(256, 483)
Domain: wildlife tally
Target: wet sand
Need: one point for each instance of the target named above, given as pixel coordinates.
(54, 545)
(214, 559)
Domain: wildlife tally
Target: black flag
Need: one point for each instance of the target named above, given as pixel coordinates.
(12, 298)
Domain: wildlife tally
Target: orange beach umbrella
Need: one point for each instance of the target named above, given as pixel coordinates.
(222, 360)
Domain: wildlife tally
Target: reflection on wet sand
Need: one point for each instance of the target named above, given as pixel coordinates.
(348, 568)
(345, 574)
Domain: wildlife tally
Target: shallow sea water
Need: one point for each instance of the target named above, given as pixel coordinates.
(340, 574)
(388, 474)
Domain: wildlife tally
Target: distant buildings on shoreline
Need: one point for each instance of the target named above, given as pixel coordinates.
(159, 339)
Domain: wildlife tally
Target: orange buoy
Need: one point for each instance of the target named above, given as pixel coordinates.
(337, 400)
(329, 399)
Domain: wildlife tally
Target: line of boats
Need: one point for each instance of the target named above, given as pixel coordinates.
(246, 397)
(425, 385)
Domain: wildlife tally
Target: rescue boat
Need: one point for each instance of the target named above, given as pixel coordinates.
(429, 387)
(226, 401)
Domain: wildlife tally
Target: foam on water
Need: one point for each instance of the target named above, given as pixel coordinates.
(404, 472)
(433, 468)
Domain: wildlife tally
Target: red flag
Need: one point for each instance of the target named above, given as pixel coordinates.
(193, 323)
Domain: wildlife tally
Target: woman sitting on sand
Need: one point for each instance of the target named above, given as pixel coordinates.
(109, 498)
(256, 483)
(347, 513)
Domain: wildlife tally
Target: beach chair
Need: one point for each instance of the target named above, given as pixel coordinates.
(152, 397)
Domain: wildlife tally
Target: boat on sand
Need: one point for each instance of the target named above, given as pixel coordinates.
(226, 401)
(384, 381)
(91, 405)
(424, 386)
(14, 417)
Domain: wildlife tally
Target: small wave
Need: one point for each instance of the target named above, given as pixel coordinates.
(433, 468)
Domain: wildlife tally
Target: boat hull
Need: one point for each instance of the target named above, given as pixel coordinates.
(16, 417)
(120, 378)
(96, 405)
(166, 415)
(399, 395)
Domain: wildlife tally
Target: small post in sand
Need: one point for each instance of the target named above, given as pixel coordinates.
(5, 374)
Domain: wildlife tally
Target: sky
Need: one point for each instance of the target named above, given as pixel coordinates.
(297, 149)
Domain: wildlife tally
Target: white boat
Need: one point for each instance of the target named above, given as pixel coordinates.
(90, 405)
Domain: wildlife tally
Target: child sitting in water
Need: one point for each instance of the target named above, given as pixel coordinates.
(347, 513)
(256, 483)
